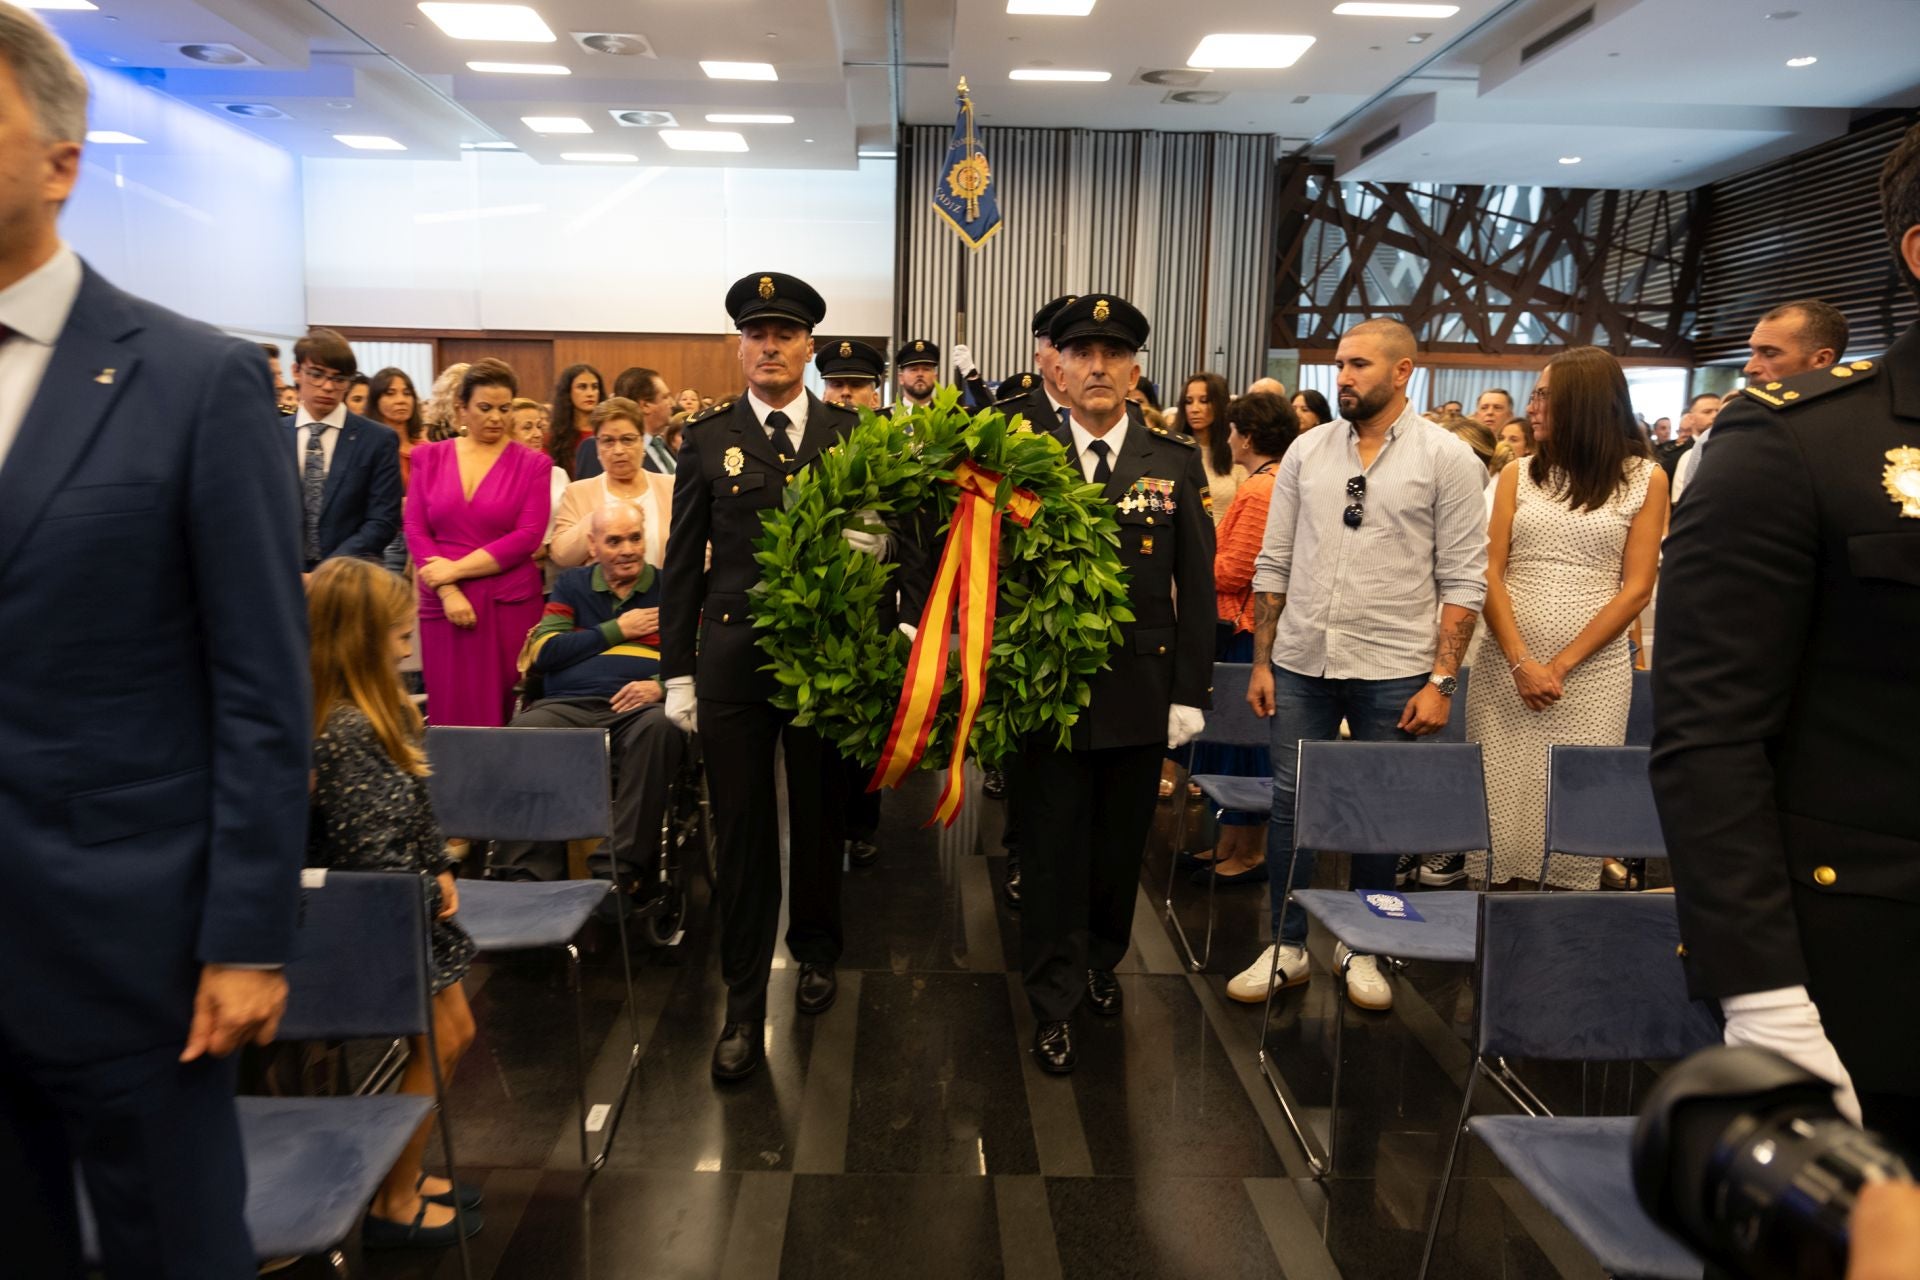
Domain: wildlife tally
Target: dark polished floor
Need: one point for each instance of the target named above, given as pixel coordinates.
(907, 1133)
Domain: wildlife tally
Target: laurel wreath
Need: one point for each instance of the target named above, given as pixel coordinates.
(1062, 598)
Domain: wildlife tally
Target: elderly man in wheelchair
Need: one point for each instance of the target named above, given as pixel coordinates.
(594, 662)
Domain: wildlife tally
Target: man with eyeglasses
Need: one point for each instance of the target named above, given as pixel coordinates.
(348, 466)
(1377, 525)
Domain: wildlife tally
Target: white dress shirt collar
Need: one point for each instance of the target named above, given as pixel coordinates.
(338, 418)
(36, 305)
(796, 411)
(1115, 439)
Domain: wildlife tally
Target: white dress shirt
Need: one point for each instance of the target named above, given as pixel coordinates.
(1689, 464)
(1116, 437)
(796, 412)
(33, 310)
(329, 437)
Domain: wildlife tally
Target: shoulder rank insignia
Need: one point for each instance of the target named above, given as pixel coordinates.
(718, 407)
(1902, 479)
(1174, 436)
(1802, 387)
(733, 461)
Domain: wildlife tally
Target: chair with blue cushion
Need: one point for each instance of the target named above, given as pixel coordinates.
(1600, 805)
(1381, 799)
(1640, 711)
(536, 784)
(1537, 998)
(1231, 723)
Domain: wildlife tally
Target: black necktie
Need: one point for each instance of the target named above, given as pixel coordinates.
(1066, 417)
(777, 424)
(1101, 471)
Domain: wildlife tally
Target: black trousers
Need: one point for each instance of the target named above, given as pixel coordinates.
(647, 755)
(1083, 817)
(737, 741)
(863, 806)
(158, 1145)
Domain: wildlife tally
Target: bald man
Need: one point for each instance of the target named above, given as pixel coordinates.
(1272, 385)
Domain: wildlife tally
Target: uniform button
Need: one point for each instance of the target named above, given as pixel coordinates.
(1825, 875)
(1681, 951)
(1149, 519)
(726, 617)
(1163, 648)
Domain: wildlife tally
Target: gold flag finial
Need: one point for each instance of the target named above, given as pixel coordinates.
(963, 84)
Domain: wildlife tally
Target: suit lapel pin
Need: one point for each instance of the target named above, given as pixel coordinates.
(104, 377)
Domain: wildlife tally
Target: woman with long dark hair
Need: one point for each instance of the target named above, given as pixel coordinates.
(1202, 414)
(1572, 552)
(575, 395)
(1311, 408)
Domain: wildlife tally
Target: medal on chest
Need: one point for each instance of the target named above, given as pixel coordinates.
(1902, 479)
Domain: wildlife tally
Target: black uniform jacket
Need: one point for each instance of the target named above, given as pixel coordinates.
(1786, 753)
(1166, 653)
(729, 472)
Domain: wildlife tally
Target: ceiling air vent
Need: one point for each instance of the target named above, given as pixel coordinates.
(253, 110)
(1386, 139)
(1195, 97)
(1565, 31)
(1170, 77)
(644, 119)
(217, 55)
(619, 44)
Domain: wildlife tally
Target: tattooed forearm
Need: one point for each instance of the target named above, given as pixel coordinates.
(1456, 631)
(1266, 619)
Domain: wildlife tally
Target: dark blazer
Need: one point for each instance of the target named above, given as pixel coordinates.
(718, 502)
(1787, 706)
(1163, 657)
(155, 721)
(360, 505)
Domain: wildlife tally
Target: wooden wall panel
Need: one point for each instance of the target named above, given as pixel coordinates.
(531, 359)
(704, 361)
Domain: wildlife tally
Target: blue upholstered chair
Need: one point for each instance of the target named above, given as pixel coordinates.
(1538, 998)
(536, 784)
(1381, 799)
(1640, 711)
(1600, 805)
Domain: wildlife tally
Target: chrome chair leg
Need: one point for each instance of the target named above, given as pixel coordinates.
(1446, 1172)
(1195, 961)
(1318, 1161)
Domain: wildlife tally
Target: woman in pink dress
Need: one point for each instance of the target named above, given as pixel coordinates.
(477, 509)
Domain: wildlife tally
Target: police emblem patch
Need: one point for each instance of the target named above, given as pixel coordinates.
(733, 461)
(766, 287)
(1902, 478)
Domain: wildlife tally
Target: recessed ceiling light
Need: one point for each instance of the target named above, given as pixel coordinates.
(521, 68)
(634, 118)
(1266, 52)
(114, 136)
(1569, 159)
(1377, 9)
(1782, 15)
(556, 124)
(620, 44)
(501, 22)
(488, 146)
(368, 142)
(217, 55)
(60, 4)
(1054, 8)
(253, 110)
(599, 157)
(724, 117)
(739, 70)
(1801, 62)
(1056, 73)
(703, 139)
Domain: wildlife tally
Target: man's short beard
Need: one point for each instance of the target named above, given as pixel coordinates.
(1366, 407)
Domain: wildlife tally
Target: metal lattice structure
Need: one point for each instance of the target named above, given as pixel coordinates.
(1484, 270)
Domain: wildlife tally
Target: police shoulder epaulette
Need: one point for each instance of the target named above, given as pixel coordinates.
(1790, 393)
(1176, 436)
(847, 409)
(718, 407)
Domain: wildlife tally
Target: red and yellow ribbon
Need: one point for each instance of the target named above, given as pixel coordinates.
(969, 579)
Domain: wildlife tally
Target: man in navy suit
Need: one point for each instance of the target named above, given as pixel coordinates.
(153, 793)
(349, 466)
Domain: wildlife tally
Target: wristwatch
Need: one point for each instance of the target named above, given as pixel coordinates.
(1445, 684)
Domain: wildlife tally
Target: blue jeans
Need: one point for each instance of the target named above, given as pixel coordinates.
(1312, 707)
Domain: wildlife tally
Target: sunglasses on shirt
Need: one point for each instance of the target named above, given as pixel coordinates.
(1357, 502)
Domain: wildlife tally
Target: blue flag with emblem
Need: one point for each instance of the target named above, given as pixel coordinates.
(963, 191)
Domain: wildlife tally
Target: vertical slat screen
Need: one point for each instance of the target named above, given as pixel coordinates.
(416, 358)
(1180, 224)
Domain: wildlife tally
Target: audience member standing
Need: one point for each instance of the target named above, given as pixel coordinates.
(371, 813)
(441, 414)
(620, 441)
(396, 405)
(575, 395)
(1202, 415)
(1310, 409)
(349, 467)
(1572, 551)
(476, 512)
(1494, 409)
(647, 389)
(357, 395)
(1376, 527)
(1517, 435)
(153, 800)
(1695, 423)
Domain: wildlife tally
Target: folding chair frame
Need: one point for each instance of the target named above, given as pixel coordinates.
(1195, 961)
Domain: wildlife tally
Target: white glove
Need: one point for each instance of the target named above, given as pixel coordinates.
(680, 705)
(963, 361)
(877, 545)
(1786, 1021)
(1183, 725)
(910, 631)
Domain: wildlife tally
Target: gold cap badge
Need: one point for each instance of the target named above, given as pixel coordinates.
(846, 349)
(766, 287)
(919, 346)
(1902, 479)
(1026, 382)
(1101, 311)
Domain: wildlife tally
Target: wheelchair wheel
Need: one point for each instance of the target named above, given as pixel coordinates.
(668, 918)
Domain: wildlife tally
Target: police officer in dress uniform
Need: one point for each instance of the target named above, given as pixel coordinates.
(1084, 811)
(735, 462)
(1787, 711)
(917, 367)
(852, 371)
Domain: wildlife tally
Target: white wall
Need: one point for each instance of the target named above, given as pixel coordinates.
(203, 218)
(495, 241)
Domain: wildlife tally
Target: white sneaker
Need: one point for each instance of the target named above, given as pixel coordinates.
(1365, 985)
(1249, 986)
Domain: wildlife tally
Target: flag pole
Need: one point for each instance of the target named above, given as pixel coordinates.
(973, 210)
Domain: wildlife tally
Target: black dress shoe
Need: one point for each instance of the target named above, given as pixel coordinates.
(740, 1051)
(1013, 881)
(1053, 1047)
(818, 987)
(862, 853)
(1103, 992)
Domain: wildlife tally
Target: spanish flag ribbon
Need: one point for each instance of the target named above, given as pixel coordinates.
(969, 579)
